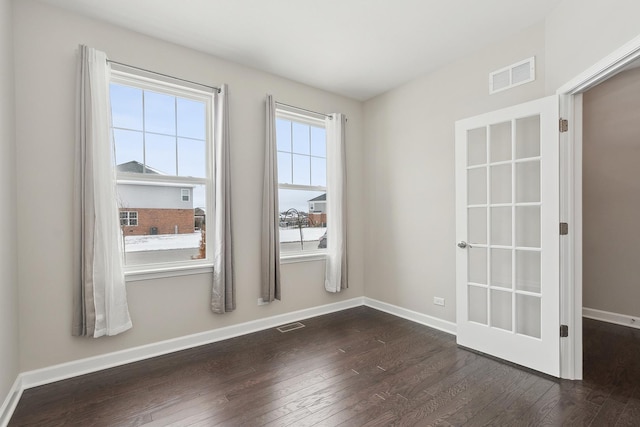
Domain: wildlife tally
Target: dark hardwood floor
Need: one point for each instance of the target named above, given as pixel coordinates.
(358, 367)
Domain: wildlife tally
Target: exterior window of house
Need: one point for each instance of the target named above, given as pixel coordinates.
(302, 182)
(162, 144)
(129, 218)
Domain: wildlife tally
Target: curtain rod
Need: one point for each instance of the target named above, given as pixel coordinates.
(217, 89)
(303, 109)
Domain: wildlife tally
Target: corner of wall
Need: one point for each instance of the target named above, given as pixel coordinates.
(9, 345)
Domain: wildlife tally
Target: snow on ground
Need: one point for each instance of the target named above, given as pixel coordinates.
(192, 240)
(293, 235)
(162, 241)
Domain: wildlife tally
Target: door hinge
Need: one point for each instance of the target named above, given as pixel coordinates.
(564, 228)
(564, 331)
(564, 125)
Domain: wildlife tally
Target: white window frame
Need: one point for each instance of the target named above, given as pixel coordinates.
(175, 268)
(128, 218)
(185, 192)
(317, 120)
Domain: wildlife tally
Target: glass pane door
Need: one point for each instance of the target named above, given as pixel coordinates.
(507, 215)
(503, 214)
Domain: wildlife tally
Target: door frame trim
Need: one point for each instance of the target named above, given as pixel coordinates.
(571, 199)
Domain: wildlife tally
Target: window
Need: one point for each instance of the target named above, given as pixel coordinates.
(302, 181)
(128, 218)
(162, 157)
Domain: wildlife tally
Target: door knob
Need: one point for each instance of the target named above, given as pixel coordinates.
(463, 245)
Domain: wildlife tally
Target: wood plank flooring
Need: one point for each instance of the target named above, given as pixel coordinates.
(358, 367)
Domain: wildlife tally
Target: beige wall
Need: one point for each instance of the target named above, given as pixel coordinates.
(8, 246)
(409, 166)
(405, 156)
(46, 39)
(580, 33)
(611, 195)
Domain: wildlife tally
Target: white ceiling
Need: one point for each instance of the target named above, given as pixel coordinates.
(358, 48)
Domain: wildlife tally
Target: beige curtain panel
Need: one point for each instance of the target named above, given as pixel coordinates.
(336, 274)
(100, 296)
(223, 292)
(270, 241)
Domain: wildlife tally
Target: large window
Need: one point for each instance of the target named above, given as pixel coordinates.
(162, 152)
(302, 178)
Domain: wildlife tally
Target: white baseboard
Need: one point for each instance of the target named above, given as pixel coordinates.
(414, 316)
(605, 316)
(75, 368)
(92, 364)
(10, 403)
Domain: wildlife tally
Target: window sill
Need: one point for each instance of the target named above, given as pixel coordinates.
(289, 259)
(161, 273)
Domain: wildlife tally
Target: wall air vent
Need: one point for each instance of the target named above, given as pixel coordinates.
(514, 75)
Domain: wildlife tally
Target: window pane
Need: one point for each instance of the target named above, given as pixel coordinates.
(477, 146)
(318, 171)
(500, 141)
(162, 227)
(501, 310)
(159, 113)
(128, 146)
(283, 135)
(284, 168)
(477, 186)
(160, 153)
(528, 137)
(191, 118)
(192, 155)
(477, 305)
(126, 107)
(477, 265)
(301, 170)
(501, 183)
(318, 142)
(301, 230)
(301, 138)
(529, 315)
(477, 225)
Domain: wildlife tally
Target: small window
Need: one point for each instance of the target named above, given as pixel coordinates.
(302, 180)
(128, 218)
(162, 141)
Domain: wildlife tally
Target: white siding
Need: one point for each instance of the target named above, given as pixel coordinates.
(132, 196)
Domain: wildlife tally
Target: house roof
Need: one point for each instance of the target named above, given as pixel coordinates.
(321, 198)
(136, 167)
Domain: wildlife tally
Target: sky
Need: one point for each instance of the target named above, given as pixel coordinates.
(302, 160)
(168, 134)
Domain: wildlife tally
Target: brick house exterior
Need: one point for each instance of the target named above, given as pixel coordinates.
(160, 221)
(318, 211)
(148, 208)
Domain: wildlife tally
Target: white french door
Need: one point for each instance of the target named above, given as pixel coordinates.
(507, 229)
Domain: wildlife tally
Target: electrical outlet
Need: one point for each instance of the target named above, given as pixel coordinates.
(438, 301)
(262, 302)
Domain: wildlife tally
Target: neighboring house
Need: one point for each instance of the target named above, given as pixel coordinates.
(200, 216)
(318, 211)
(155, 208)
